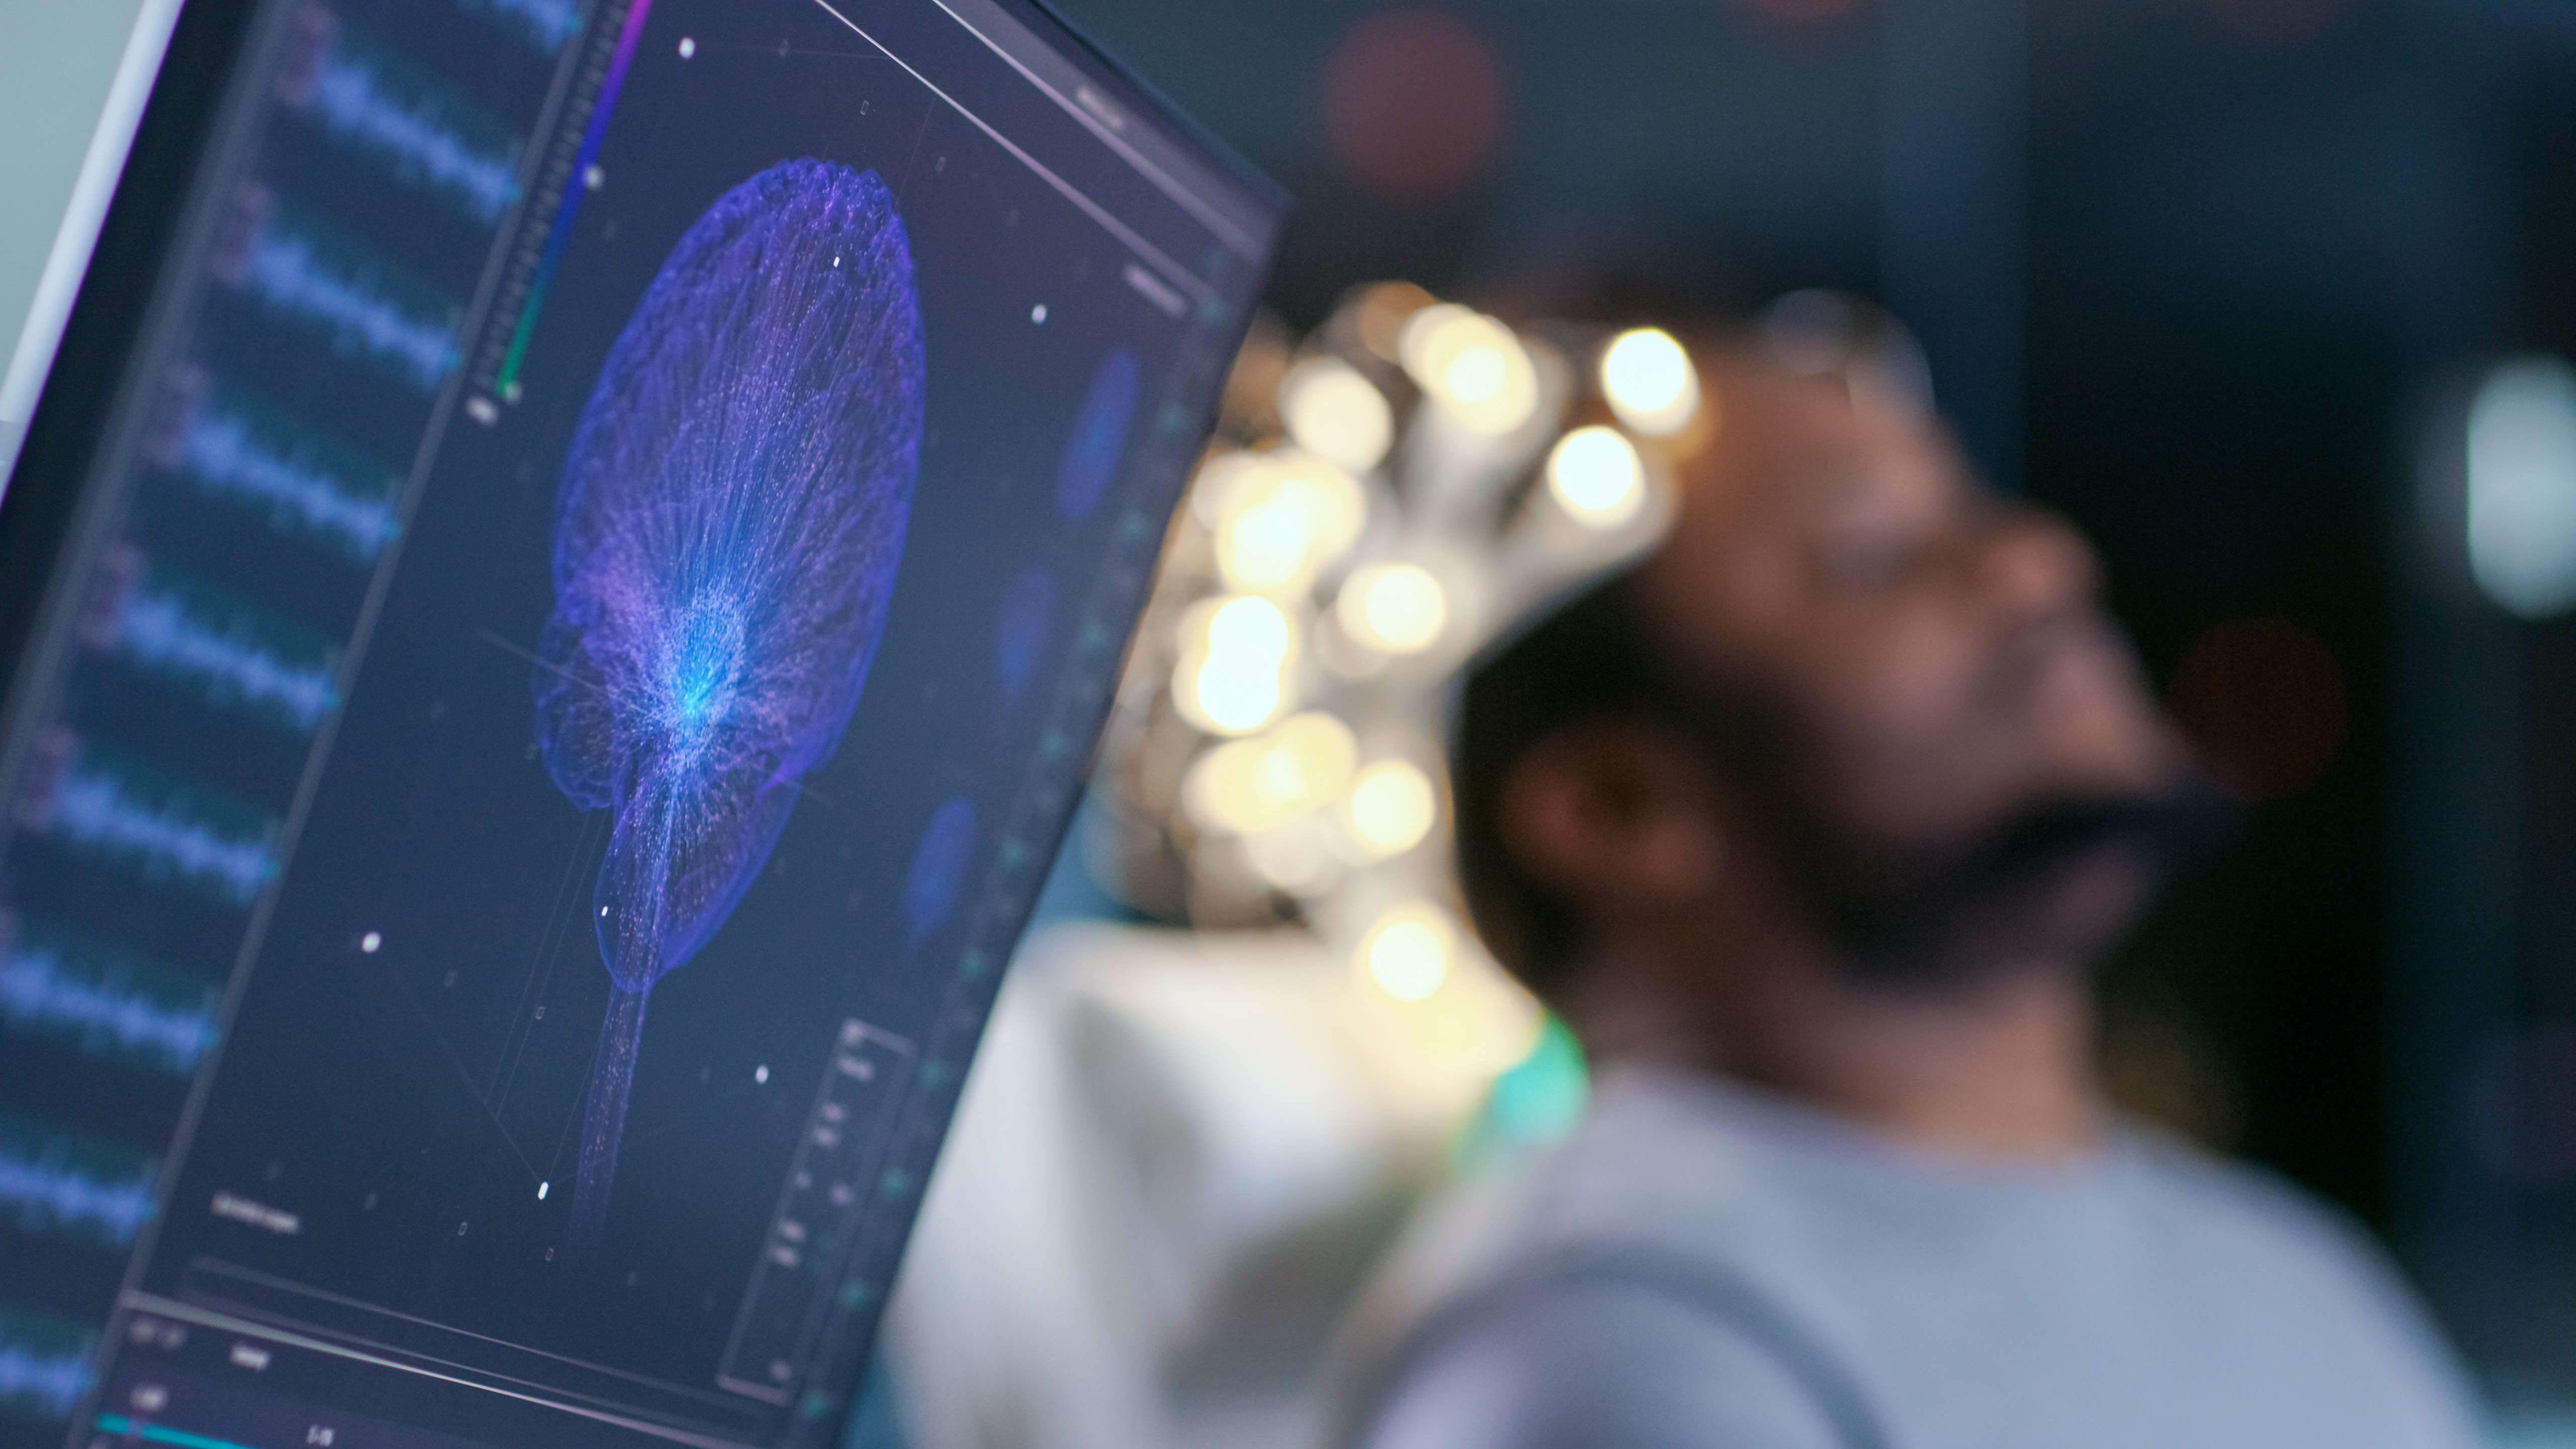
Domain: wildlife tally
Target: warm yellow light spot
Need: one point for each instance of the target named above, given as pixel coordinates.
(1251, 785)
(1649, 381)
(1333, 412)
(1278, 518)
(1250, 626)
(1234, 700)
(1232, 677)
(1292, 857)
(1472, 365)
(1382, 313)
(1391, 808)
(1474, 374)
(1393, 608)
(1594, 473)
(1409, 951)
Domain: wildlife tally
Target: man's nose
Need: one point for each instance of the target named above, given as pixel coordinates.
(2033, 564)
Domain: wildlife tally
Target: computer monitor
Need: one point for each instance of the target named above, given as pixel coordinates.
(557, 599)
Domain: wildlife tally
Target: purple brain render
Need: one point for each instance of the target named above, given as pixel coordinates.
(731, 516)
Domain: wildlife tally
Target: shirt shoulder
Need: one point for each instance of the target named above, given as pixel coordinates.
(2149, 1295)
(2235, 1218)
(2307, 1282)
(1595, 1365)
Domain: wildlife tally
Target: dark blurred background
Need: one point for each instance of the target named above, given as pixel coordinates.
(2214, 277)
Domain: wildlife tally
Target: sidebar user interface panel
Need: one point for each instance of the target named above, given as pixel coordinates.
(612, 564)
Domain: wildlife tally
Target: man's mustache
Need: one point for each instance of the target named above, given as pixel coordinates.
(1901, 915)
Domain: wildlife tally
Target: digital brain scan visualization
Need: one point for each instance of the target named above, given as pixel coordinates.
(586, 545)
(732, 514)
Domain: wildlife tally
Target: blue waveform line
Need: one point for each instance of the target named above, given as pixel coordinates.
(355, 102)
(43, 990)
(50, 1382)
(289, 271)
(225, 453)
(159, 629)
(96, 809)
(47, 1193)
(545, 23)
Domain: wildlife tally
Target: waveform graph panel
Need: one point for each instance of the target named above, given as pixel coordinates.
(833, 1185)
(243, 452)
(316, 279)
(44, 1365)
(105, 1003)
(230, 653)
(416, 128)
(128, 814)
(67, 1185)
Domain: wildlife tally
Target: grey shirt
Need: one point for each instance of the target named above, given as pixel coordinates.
(2142, 1295)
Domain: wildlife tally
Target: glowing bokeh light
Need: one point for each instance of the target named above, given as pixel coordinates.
(1393, 608)
(2522, 487)
(1391, 808)
(1334, 413)
(1594, 473)
(1232, 677)
(1292, 856)
(1649, 381)
(1280, 517)
(1381, 313)
(1409, 951)
(1251, 785)
(1472, 365)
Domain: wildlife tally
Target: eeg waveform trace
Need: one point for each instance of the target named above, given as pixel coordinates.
(235, 654)
(125, 812)
(243, 451)
(307, 273)
(105, 1002)
(44, 1364)
(60, 1183)
(421, 131)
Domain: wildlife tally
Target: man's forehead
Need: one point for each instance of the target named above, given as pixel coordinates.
(1788, 443)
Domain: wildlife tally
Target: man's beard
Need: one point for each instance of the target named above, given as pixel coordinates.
(1938, 915)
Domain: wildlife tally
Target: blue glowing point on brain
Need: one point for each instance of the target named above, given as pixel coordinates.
(1099, 436)
(731, 515)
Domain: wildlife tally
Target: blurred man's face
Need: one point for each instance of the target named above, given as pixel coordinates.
(1950, 748)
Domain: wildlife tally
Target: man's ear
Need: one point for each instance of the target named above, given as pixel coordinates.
(1618, 815)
